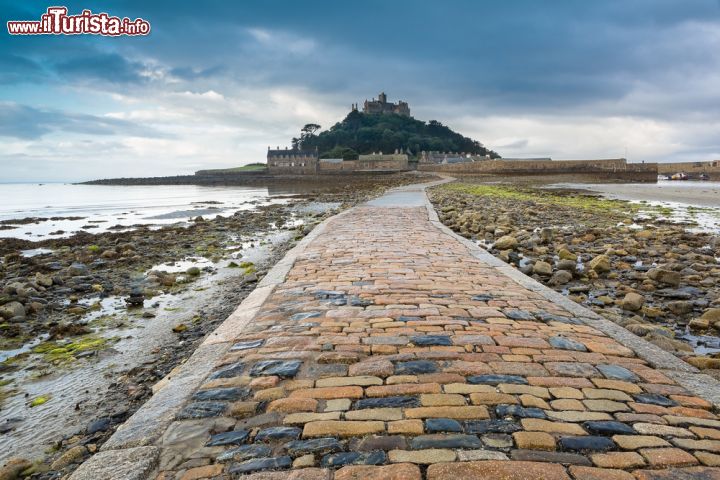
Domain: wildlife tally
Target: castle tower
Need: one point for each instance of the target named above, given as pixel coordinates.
(381, 105)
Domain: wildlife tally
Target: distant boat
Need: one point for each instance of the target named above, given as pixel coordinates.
(704, 176)
(663, 177)
(679, 176)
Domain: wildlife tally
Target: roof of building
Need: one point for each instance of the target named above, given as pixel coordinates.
(285, 152)
(538, 159)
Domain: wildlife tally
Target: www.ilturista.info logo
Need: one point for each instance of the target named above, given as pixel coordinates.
(57, 22)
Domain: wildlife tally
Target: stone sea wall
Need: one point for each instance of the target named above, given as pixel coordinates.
(610, 169)
(692, 168)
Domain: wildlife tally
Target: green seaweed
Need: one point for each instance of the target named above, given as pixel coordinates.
(40, 400)
(548, 197)
(250, 270)
(64, 352)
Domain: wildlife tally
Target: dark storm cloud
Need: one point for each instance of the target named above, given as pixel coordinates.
(104, 67)
(15, 69)
(517, 54)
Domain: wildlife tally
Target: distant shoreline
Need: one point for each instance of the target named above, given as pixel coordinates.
(244, 178)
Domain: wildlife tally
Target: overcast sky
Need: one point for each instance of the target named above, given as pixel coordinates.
(216, 82)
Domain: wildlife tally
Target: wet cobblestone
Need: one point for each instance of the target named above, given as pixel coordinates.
(391, 352)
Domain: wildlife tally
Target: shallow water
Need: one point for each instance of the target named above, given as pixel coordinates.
(118, 207)
(691, 201)
(696, 193)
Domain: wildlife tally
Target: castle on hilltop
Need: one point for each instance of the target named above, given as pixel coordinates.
(381, 105)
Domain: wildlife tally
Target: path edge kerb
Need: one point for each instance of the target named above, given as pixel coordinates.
(686, 375)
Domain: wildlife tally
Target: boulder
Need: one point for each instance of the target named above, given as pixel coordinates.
(569, 265)
(652, 312)
(561, 277)
(664, 276)
(712, 315)
(667, 343)
(12, 310)
(109, 254)
(680, 307)
(13, 467)
(704, 363)
(43, 280)
(605, 299)
(506, 242)
(77, 269)
(639, 329)
(566, 254)
(699, 324)
(73, 455)
(542, 268)
(546, 235)
(633, 302)
(600, 264)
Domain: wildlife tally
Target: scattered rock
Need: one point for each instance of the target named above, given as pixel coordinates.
(542, 268)
(561, 277)
(566, 254)
(600, 264)
(664, 276)
(633, 302)
(13, 467)
(73, 455)
(12, 310)
(699, 323)
(506, 242)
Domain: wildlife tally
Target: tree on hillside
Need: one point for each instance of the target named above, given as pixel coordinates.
(306, 132)
(367, 133)
(310, 129)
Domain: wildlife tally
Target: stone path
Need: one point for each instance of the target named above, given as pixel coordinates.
(391, 352)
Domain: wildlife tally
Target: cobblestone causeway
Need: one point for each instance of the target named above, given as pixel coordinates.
(391, 353)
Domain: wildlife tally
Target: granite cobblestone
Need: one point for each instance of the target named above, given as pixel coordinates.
(391, 352)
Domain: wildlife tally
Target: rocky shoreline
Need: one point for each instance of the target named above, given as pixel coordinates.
(623, 260)
(56, 318)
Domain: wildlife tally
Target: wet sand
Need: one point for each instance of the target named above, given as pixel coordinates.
(699, 194)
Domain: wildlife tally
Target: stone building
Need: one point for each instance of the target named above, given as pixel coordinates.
(379, 162)
(434, 157)
(381, 105)
(292, 161)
